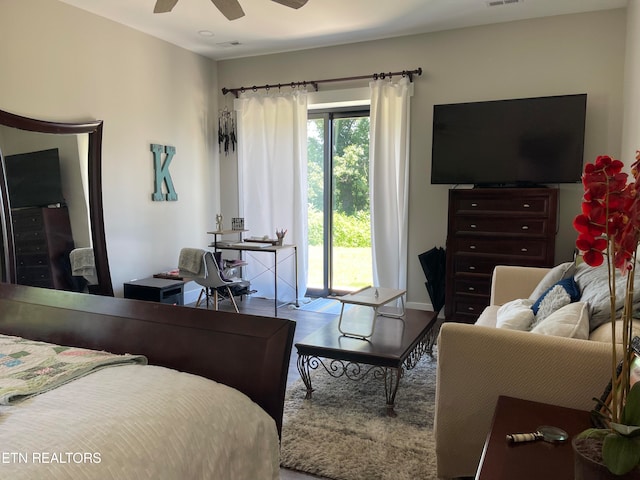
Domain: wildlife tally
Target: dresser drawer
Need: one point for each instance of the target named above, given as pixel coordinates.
(473, 265)
(30, 247)
(27, 219)
(35, 276)
(469, 224)
(26, 237)
(473, 286)
(517, 203)
(521, 247)
(468, 309)
(41, 260)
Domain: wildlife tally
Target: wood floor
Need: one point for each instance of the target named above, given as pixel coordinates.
(306, 323)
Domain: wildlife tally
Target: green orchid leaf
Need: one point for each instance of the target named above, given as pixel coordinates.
(631, 410)
(620, 454)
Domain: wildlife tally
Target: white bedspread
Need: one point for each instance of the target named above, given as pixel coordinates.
(138, 422)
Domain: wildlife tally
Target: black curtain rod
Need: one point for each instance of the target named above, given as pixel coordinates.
(314, 83)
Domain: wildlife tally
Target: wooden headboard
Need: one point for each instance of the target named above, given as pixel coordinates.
(247, 352)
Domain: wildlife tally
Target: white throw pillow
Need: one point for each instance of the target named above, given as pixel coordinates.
(571, 321)
(553, 276)
(515, 315)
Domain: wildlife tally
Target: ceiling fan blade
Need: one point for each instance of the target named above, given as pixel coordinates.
(292, 3)
(229, 8)
(163, 6)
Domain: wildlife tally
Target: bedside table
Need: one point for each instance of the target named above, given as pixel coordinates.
(530, 460)
(156, 290)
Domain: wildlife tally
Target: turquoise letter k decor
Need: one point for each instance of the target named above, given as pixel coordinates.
(162, 174)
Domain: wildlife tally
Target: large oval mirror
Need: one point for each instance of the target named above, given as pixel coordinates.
(51, 194)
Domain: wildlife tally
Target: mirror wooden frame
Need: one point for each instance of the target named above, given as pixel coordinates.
(96, 216)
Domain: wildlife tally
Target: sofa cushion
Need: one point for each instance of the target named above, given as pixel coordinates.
(557, 296)
(488, 317)
(594, 286)
(553, 276)
(515, 315)
(603, 332)
(571, 321)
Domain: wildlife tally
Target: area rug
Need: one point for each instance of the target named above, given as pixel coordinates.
(343, 432)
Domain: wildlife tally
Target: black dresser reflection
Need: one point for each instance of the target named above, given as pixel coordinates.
(43, 241)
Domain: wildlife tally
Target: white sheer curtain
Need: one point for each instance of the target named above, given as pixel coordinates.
(272, 177)
(389, 181)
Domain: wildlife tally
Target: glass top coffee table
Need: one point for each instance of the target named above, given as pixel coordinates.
(374, 297)
(395, 345)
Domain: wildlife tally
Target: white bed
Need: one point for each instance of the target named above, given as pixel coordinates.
(106, 426)
(72, 413)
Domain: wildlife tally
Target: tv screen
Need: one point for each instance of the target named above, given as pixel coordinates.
(33, 179)
(515, 142)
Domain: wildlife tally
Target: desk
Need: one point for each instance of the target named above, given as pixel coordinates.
(531, 460)
(275, 250)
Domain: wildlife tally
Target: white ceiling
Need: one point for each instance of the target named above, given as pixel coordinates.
(269, 27)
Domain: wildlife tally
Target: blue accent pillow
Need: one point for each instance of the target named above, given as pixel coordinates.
(562, 293)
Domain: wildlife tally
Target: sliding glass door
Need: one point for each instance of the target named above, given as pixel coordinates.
(339, 215)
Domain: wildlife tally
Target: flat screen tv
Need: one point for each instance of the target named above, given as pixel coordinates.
(33, 179)
(518, 142)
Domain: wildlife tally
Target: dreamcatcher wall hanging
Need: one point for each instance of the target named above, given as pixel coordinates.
(227, 139)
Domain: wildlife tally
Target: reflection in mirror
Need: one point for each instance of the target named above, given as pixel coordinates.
(52, 222)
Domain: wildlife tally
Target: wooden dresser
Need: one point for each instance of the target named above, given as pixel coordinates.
(489, 227)
(43, 241)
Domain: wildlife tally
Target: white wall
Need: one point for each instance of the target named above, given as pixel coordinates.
(61, 63)
(631, 131)
(549, 56)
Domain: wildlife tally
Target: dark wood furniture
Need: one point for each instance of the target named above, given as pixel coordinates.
(247, 352)
(489, 227)
(533, 460)
(396, 344)
(156, 290)
(43, 241)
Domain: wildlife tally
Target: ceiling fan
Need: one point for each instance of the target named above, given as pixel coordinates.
(229, 8)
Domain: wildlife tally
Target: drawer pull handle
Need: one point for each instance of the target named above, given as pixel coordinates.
(524, 249)
(526, 205)
(472, 267)
(471, 289)
(472, 247)
(473, 225)
(525, 227)
(471, 309)
(474, 204)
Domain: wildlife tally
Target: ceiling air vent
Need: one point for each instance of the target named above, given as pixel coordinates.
(233, 43)
(497, 3)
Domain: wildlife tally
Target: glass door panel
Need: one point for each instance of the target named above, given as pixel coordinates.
(339, 216)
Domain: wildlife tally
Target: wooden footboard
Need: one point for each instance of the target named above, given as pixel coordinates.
(247, 352)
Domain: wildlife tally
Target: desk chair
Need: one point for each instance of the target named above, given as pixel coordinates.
(213, 281)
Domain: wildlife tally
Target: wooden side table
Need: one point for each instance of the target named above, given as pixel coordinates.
(531, 460)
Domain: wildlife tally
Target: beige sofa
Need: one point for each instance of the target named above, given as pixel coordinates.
(477, 363)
